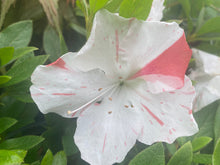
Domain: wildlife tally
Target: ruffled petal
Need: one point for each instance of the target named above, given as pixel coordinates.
(62, 89)
(105, 133)
(206, 64)
(165, 116)
(156, 12)
(206, 93)
(206, 77)
(121, 47)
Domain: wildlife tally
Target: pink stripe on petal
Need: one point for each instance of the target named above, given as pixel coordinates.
(116, 45)
(36, 94)
(172, 62)
(153, 115)
(103, 147)
(59, 63)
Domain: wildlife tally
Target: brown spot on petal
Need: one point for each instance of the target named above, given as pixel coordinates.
(109, 112)
(126, 106)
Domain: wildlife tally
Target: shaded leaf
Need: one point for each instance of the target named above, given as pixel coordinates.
(153, 155)
(4, 79)
(217, 125)
(5, 123)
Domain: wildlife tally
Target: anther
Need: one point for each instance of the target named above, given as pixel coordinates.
(126, 106)
(99, 89)
(109, 112)
(110, 98)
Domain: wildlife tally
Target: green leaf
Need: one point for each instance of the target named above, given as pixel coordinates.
(23, 51)
(113, 6)
(60, 158)
(4, 79)
(216, 157)
(217, 125)
(12, 157)
(183, 156)
(6, 54)
(95, 5)
(6, 122)
(16, 35)
(20, 91)
(139, 9)
(205, 120)
(69, 145)
(23, 143)
(23, 70)
(202, 158)
(52, 43)
(200, 142)
(48, 158)
(153, 155)
(210, 26)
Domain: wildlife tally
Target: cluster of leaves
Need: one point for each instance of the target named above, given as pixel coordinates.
(32, 28)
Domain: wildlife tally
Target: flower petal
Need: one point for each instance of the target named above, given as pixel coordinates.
(165, 116)
(106, 133)
(121, 47)
(206, 64)
(206, 93)
(61, 88)
(168, 69)
(156, 12)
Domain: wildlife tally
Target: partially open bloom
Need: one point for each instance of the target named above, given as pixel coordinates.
(127, 83)
(207, 78)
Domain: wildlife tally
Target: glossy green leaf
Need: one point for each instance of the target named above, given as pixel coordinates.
(22, 51)
(48, 158)
(23, 143)
(95, 5)
(12, 157)
(60, 158)
(202, 158)
(4, 79)
(210, 26)
(23, 70)
(6, 54)
(5, 123)
(200, 142)
(139, 9)
(183, 156)
(217, 125)
(216, 154)
(16, 35)
(52, 43)
(153, 155)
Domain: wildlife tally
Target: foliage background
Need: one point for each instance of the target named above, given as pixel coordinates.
(35, 32)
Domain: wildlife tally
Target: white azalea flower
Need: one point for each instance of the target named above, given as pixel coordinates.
(156, 12)
(207, 78)
(127, 83)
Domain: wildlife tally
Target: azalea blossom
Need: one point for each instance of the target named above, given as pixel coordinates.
(207, 78)
(127, 83)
